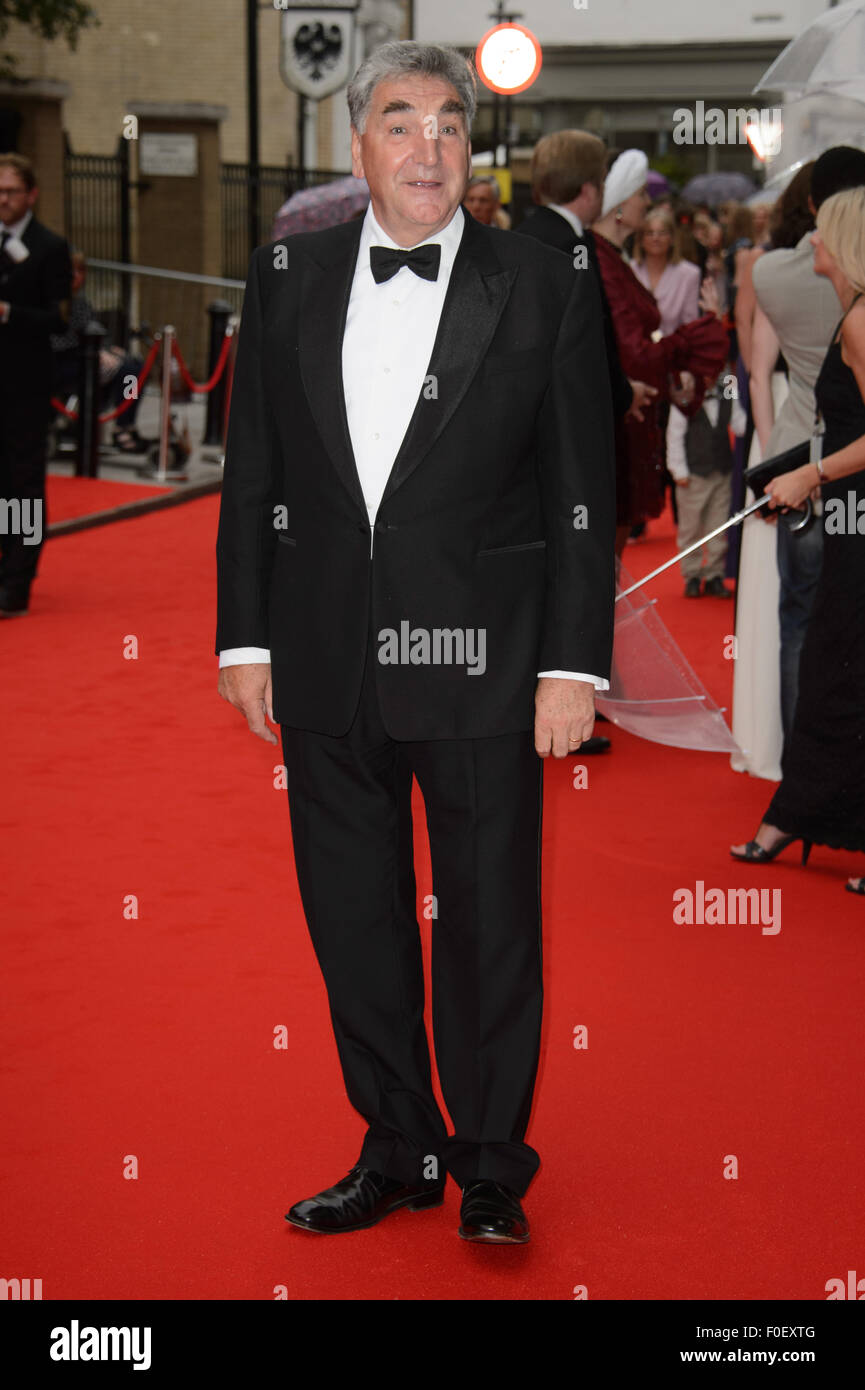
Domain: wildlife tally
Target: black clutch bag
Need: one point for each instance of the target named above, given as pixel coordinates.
(762, 473)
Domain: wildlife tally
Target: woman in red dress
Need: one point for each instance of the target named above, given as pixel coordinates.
(699, 348)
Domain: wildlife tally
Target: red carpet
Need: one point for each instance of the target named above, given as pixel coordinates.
(153, 1036)
(72, 497)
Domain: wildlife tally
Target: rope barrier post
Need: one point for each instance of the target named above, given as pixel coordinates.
(87, 461)
(219, 312)
(165, 410)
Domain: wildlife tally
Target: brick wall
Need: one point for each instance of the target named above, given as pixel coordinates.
(166, 51)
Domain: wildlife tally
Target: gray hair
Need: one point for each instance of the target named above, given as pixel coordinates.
(406, 58)
(490, 180)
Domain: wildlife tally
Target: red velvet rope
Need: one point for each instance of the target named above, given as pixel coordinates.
(124, 405)
(217, 371)
(199, 389)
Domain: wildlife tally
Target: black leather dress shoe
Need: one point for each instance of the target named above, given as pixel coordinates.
(492, 1213)
(13, 603)
(359, 1200)
(716, 588)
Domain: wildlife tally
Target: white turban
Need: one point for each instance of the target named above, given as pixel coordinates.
(627, 176)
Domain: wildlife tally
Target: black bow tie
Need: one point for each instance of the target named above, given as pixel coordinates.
(423, 260)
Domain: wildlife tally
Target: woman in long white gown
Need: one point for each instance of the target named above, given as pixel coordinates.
(756, 672)
(796, 312)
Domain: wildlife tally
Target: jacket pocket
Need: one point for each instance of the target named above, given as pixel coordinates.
(511, 549)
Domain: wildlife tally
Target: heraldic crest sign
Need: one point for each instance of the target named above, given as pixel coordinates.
(316, 47)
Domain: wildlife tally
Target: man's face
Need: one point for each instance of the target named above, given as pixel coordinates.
(15, 197)
(480, 201)
(415, 155)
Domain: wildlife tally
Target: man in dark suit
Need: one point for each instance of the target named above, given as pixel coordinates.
(407, 577)
(35, 280)
(567, 174)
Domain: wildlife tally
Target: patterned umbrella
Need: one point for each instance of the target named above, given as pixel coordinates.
(323, 206)
(718, 188)
(658, 184)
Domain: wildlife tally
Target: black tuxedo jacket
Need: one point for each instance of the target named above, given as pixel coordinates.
(38, 290)
(551, 228)
(480, 528)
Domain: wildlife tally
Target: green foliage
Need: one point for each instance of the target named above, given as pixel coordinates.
(678, 168)
(50, 18)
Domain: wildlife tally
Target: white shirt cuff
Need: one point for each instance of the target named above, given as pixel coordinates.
(240, 656)
(243, 656)
(596, 681)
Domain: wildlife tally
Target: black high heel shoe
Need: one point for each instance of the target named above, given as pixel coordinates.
(756, 854)
(129, 442)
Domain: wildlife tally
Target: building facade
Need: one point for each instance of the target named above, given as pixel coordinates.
(626, 69)
(167, 51)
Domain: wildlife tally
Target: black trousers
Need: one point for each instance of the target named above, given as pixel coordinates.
(23, 434)
(350, 805)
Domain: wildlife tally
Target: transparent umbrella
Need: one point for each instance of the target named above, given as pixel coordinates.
(828, 56)
(654, 692)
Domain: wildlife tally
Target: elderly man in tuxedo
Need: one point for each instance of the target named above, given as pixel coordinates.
(408, 595)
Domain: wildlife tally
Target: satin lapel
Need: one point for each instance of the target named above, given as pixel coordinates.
(476, 296)
(325, 293)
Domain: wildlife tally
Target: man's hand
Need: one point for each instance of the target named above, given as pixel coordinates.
(564, 715)
(249, 689)
(643, 395)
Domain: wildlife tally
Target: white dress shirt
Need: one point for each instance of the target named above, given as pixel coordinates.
(569, 217)
(389, 336)
(677, 429)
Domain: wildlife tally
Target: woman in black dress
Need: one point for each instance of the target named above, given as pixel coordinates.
(821, 799)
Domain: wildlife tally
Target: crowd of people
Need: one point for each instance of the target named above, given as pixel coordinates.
(734, 334)
(731, 333)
